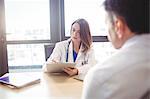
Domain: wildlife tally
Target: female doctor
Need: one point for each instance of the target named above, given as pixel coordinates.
(77, 49)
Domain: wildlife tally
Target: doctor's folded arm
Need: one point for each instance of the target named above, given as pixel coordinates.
(77, 49)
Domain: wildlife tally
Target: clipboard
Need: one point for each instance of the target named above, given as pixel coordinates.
(79, 77)
(58, 67)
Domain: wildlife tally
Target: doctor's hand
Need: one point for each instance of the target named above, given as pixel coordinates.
(71, 71)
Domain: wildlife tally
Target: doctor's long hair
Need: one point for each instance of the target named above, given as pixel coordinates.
(85, 34)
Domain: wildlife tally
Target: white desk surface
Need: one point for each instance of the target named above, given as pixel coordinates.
(51, 87)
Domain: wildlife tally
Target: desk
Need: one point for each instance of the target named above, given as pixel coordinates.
(52, 86)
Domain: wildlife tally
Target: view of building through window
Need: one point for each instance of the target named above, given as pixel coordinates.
(26, 20)
(26, 54)
(91, 10)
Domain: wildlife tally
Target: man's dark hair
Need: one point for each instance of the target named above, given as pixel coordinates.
(134, 12)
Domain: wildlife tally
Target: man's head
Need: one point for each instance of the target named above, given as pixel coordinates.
(126, 18)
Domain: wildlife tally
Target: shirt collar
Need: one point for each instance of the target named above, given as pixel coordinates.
(134, 39)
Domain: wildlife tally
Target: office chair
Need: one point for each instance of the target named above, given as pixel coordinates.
(48, 50)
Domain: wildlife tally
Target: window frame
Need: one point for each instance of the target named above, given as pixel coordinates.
(3, 49)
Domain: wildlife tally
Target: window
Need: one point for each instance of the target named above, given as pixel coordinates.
(27, 19)
(103, 50)
(91, 10)
(25, 54)
(27, 30)
(27, 25)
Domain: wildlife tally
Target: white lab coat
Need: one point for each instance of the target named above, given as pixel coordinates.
(126, 75)
(60, 52)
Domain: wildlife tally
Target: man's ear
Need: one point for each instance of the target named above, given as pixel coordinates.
(119, 27)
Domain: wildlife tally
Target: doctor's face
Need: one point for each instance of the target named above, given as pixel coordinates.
(75, 33)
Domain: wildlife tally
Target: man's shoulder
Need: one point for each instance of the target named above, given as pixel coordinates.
(110, 66)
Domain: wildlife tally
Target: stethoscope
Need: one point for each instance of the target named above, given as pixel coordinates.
(67, 55)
